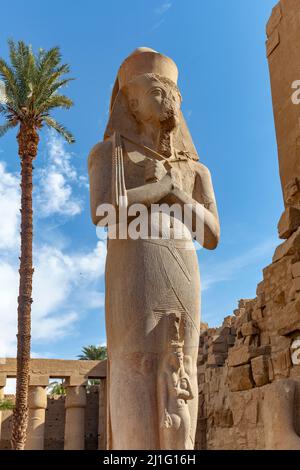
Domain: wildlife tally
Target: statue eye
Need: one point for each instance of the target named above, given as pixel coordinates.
(156, 92)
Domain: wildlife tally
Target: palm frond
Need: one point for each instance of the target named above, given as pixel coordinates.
(47, 65)
(50, 122)
(10, 81)
(94, 353)
(49, 89)
(55, 101)
(23, 63)
(5, 127)
(48, 60)
(31, 83)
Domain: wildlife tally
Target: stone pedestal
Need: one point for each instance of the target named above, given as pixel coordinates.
(75, 417)
(37, 402)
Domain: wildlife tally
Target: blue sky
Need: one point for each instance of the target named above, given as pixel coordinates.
(219, 47)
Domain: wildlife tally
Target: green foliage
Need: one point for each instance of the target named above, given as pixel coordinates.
(6, 404)
(30, 85)
(56, 388)
(93, 353)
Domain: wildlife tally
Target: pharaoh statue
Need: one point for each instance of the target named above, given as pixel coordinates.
(152, 298)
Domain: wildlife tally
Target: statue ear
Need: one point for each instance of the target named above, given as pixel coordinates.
(133, 104)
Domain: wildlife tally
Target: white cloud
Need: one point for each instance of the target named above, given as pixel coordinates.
(65, 284)
(55, 190)
(158, 24)
(8, 313)
(231, 269)
(9, 209)
(165, 6)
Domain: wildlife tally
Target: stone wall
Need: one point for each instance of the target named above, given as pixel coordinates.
(257, 346)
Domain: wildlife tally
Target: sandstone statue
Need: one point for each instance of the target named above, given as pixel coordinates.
(152, 283)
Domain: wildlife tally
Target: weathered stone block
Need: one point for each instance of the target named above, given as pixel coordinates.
(233, 330)
(289, 222)
(260, 288)
(215, 360)
(39, 380)
(201, 378)
(289, 247)
(240, 378)
(264, 338)
(281, 362)
(249, 329)
(218, 348)
(243, 354)
(231, 340)
(296, 269)
(223, 418)
(238, 356)
(296, 284)
(279, 343)
(260, 370)
(261, 301)
(225, 331)
(201, 359)
(288, 319)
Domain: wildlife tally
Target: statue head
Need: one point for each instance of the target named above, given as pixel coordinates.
(145, 95)
(154, 100)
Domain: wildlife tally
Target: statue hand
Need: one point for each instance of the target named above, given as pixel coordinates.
(167, 420)
(176, 178)
(154, 170)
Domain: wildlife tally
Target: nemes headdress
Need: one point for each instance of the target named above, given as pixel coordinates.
(144, 61)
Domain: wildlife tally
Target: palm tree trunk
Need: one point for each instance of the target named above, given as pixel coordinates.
(28, 141)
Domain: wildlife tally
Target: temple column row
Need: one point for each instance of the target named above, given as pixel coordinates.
(37, 404)
(75, 404)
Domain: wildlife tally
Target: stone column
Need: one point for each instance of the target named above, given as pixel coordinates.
(283, 32)
(2, 385)
(75, 417)
(37, 403)
(102, 424)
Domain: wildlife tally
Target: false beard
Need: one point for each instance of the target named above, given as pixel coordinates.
(168, 123)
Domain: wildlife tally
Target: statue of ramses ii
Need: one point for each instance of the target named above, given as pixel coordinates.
(145, 165)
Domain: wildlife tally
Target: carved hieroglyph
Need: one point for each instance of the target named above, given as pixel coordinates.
(152, 285)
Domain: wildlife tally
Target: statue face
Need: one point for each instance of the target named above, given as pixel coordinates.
(154, 101)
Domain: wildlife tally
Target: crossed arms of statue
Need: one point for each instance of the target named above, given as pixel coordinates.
(163, 189)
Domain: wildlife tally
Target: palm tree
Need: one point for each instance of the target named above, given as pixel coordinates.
(56, 388)
(93, 353)
(30, 82)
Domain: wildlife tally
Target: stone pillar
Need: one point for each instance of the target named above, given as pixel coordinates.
(2, 385)
(283, 33)
(37, 403)
(102, 424)
(75, 417)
